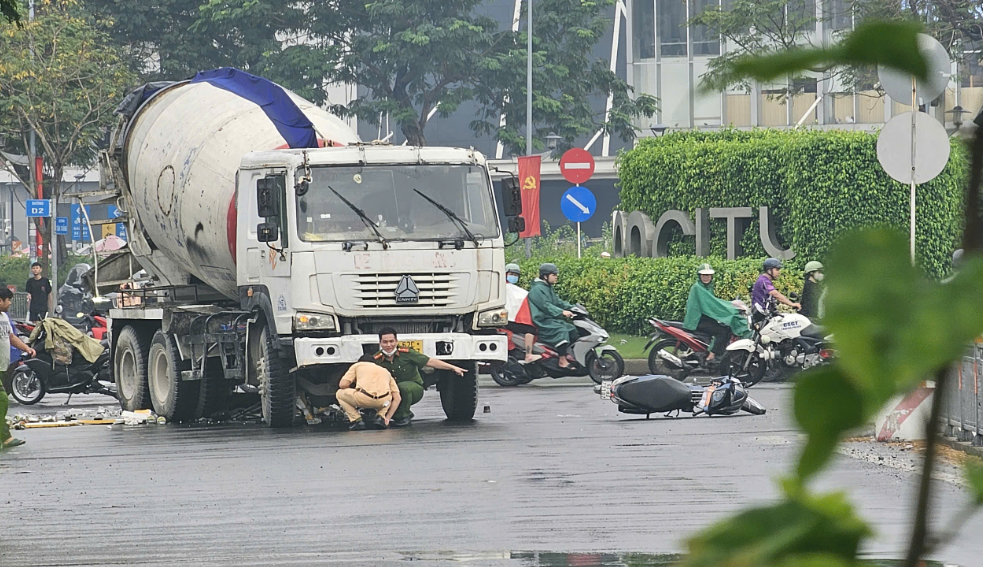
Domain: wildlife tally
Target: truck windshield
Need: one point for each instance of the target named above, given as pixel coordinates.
(385, 193)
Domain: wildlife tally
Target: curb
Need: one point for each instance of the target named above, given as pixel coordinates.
(964, 446)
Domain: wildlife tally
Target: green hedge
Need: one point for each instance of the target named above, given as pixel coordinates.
(622, 293)
(818, 184)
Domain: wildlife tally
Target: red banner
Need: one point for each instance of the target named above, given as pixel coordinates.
(529, 182)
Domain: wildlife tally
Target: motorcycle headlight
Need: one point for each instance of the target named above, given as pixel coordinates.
(493, 318)
(313, 322)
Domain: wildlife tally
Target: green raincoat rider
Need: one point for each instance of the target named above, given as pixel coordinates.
(707, 313)
(549, 312)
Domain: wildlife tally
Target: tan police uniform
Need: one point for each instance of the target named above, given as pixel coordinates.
(372, 387)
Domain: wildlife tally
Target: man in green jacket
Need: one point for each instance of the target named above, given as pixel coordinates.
(707, 313)
(550, 313)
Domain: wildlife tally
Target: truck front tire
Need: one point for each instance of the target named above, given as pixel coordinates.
(130, 369)
(278, 388)
(459, 394)
(173, 398)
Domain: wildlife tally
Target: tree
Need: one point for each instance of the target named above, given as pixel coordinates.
(417, 57)
(565, 78)
(61, 78)
(8, 11)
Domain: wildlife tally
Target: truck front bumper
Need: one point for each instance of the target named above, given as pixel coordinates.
(444, 346)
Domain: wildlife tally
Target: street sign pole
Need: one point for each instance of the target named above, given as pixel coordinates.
(578, 239)
(53, 247)
(914, 114)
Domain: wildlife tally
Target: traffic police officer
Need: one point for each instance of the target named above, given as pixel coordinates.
(405, 364)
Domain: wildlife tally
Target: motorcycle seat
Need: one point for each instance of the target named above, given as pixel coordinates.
(657, 394)
(814, 332)
(676, 324)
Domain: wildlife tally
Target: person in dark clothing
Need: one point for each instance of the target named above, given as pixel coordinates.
(812, 291)
(38, 290)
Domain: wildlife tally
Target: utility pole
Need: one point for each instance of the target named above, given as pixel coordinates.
(528, 96)
(31, 153)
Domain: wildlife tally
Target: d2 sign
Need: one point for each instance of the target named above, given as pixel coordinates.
(634, 234)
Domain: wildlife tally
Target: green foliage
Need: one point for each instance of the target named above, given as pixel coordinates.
(16, 271)
(8, 11)
(974, 478)
(623, 293)
(817, 184)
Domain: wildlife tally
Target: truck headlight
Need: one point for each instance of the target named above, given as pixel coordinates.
(493, 318)
(313, 322)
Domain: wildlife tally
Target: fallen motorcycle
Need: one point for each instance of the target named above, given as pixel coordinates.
(60, 369)
(591, 355)
(645, 395)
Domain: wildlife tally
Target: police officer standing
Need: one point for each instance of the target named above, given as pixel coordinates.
(405, 364)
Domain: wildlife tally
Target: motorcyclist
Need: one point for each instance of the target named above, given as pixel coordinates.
(550, 313)
(957, 262)
(520, 319)
(813, 290)
(707, 313)
(764, 294)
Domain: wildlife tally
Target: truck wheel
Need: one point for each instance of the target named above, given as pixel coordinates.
(214, 390)
(130, 370)
(172, 397)
(277, 387)
(459, 395)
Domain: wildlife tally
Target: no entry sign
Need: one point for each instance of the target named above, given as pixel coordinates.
(577, 165)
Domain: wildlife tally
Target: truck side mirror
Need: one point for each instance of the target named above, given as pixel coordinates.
(267, 198)
(268, 232)
(517, 224)
(511, 197)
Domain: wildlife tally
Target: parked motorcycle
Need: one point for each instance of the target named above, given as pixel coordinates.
(789, 341)
(591, 355)
(677, 352)
(645, 395)
(33, 378)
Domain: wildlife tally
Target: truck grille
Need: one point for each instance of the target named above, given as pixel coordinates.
(373, 291)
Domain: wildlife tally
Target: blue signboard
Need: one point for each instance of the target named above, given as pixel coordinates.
(61, 225)
(114, 212)
(80, 230)
(38, 208)
(578, 203)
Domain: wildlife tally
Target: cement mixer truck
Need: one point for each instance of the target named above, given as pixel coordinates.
(278, 245)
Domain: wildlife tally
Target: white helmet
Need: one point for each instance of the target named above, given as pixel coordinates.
(705, 270)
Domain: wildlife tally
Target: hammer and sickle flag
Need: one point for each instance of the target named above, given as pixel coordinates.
(529, 182)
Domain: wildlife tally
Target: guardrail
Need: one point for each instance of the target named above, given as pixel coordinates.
(18, 306)
(962, 408)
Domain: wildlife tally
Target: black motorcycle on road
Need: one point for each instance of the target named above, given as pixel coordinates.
(33, 378)
(645, 395)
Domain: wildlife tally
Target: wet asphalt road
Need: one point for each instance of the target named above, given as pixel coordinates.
(550, 469)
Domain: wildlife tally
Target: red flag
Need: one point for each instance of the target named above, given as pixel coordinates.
(529, 182)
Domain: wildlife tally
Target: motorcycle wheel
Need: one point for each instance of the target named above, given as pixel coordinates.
(609, 366)
(502, 376)
(660, 367)
(733, 365)
(26, 387)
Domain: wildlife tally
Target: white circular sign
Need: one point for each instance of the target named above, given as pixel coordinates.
(897, 84)
(931, 148)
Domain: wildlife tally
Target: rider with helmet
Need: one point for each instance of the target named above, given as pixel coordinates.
(764, 294)
(707, 313)
(812, 290)
(520, 319)
(550, 313)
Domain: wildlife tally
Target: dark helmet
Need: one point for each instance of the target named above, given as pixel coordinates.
(772, 263)
(547, 269)
(512, 269)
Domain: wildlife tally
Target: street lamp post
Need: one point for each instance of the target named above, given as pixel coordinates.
(528, 96)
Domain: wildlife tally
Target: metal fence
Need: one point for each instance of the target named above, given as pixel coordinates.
(18, 306)
(961, 408)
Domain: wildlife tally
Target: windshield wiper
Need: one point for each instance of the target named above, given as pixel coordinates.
(365, 218)
(451, 215)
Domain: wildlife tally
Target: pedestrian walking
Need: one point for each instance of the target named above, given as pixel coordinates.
(38, 293)
(7, 336)
(369, 386)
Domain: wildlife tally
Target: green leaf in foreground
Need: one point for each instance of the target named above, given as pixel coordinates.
(892, 44)
(827, 404)
(974, 477)
(819, 530)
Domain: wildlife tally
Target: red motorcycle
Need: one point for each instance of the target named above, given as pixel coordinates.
(679, 353)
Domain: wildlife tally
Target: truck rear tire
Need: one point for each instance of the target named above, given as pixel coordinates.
(173, 398)
(278, 388)
(214, 390)
(459, 395)
(130, 369)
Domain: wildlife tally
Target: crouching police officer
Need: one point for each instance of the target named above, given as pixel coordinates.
(367, 386)
(405, 364)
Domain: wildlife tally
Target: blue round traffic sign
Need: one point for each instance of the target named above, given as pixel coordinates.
(578, 203)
